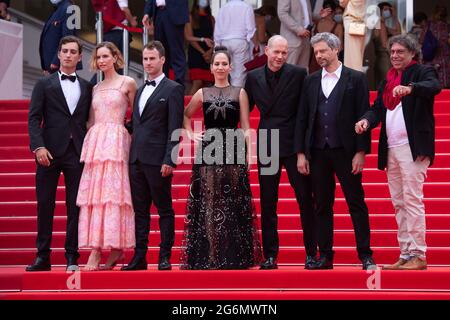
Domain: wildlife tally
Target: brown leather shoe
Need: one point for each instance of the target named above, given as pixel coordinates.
(415, 264)
(396, 265)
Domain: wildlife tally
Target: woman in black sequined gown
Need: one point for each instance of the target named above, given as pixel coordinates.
(220, 224)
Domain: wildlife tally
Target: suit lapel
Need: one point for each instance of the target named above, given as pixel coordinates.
(262, 83)
(83, 93)
(341, 86)
(54, 78)
(136, 101)
(315, 87)
(153, 96)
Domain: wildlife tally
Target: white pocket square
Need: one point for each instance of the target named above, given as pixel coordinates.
(162, 100)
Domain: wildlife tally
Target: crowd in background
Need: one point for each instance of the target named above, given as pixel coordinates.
(191, 34)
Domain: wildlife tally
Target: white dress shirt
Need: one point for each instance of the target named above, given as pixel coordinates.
(306, 13)
(235, 20)
(160, 3)
(329, 80)
(148, 91)
(395, 127)
(71, 90)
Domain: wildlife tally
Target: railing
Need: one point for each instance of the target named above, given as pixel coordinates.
(32, 29)
(126, 37)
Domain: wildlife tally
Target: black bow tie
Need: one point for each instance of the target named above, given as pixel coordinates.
(71, 78)
(150, 83)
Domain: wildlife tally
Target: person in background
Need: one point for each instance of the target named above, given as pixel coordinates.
(235, 29)
(296, 26)
(167, 18)
(389, 18)
(329, 23)
(54, 30)
(404, 106)
(199, 32)
(4, 5)
(263, 16)
(440, 28)
(420, 22)
(354, 45)
(112, 33)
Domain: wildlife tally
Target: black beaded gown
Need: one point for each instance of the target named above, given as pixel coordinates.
(220, 224)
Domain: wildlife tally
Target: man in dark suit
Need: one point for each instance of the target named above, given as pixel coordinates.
(168, 18)
(333, 99)
(404, 106)
(158, 112)
(275, 89)
(54, 30)
(57, 119)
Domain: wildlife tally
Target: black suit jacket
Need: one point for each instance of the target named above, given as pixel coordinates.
(163, 113)
(54, 29)
(353, 95)
(50, 123)
(417, 112)
(278, 110)
(178, 10)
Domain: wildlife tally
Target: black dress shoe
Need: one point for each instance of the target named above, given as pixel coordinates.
(164, 264)
(310, 262)
(135, 264)
(369, 264)
(72, 264)
(270, 263)
(40, 264)
(322, 264)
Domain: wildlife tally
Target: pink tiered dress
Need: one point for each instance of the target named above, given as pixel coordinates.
(106, 218)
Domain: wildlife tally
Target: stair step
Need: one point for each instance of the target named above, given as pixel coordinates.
(287, 255)
(183, 176)
(372, 190)
(293, 238)
(28, 164)
(287, 222)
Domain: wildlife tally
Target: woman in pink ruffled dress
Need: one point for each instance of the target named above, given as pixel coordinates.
(106, 213)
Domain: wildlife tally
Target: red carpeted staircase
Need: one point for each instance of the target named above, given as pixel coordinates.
(290, 281)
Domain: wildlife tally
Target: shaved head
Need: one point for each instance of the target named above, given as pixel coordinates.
(277, 39)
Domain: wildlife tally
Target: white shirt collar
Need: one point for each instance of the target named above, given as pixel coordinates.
(337, 72)
(158, 79)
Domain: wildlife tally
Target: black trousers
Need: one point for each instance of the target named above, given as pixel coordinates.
(46, 185)
(301, 184)
(325, 163)
(147, 187)
(172, 38)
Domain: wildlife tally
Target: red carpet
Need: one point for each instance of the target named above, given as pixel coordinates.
(291, 281)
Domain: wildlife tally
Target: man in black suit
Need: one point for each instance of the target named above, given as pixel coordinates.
(333, 99)
(158, 112)
(57, 119)
(168, 18)
(275, 89)
(404, 106)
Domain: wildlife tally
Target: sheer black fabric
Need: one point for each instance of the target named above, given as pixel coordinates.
(220, 224)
